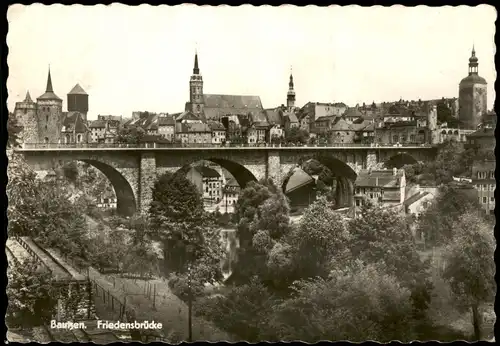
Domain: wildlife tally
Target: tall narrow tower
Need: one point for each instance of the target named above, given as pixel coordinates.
(25, 113)
(290, 95)
(196, 89)
(78, 101)
(472, 95)
(49, 114)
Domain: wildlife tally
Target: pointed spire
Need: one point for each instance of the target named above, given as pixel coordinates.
(290, 84)
(28, 97)
(473, 50)
(49, 84)
(196, 70)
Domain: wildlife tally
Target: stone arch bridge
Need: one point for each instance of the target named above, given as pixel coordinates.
(133, 171)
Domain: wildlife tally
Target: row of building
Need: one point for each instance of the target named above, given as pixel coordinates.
(218, 119)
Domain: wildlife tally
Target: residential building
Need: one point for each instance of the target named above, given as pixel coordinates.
(166, 127)
(218, 132)
(315, 110)
(483, 179)
(193, 133)
(231, 192)
(482, 139)
(300, 189)
(383, 187)
(208, 182)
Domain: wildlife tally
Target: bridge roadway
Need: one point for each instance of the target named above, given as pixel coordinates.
(200, 146)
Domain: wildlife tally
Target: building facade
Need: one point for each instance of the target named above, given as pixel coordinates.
(483, 179)
(382, 187)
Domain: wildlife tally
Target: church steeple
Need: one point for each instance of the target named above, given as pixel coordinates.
(290, 96)
(196, 70)
(49, 88)
(196, 89)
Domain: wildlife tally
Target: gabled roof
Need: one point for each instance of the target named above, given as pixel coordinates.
(274, 116)
(194, 128)
(167, 120)
(342, 125)
(298, 179)
(379, 178)
(292, 117)
(74, 121)
(97, 124)
(232, 101)
(416, 197)
(187, 116)
(216, 126)
(77, 90)
(352, 112)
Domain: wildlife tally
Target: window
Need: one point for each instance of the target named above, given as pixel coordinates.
(395, 139)
(485, 187)
(492, 199)
(79, 138)
(358, 203)
(492, 174)
(47, 118)
(492, 187)
(485, 200)
(45, 127)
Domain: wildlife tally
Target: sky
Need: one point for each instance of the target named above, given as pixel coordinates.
(140, 58)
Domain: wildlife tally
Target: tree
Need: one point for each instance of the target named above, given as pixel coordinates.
(320, 235)
(70, 171)
(262, 217)
(470, 268)
(383, 237)
(188, 233)
(296, 135)
(437, 222)
(31, 295)
(357, 304)
(243, 311)
(130, 135)
(14, 129)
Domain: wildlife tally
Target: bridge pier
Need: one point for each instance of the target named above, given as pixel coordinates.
(147, 178)
(273, 167)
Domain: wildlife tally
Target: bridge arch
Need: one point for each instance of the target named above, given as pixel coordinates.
(126, 204)
(399, 160)
(242, 174)
(345, 177)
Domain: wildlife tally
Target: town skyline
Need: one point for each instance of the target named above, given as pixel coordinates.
(101, 59)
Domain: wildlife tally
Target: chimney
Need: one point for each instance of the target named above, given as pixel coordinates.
(394, 171)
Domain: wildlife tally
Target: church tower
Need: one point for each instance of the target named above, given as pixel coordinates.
(49, 115)
(196, 89)
(472, 95)
(25, 113)
(290, 95)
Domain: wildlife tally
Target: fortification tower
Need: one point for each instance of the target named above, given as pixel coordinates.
(25, 113)
(49, 115)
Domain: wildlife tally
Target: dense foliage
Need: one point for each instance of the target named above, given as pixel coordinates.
(130, 135)
(189, 235)
(31, 295)
(470, 267)
(297, 136)
(13, 131)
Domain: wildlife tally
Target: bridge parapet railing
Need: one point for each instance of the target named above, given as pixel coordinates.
(212, 145)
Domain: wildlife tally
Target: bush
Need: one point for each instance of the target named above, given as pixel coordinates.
(179, 286)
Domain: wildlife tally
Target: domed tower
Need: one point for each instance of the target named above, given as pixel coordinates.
(196, 89)
(290, 95)
(49, 115)
(25, 113)
(78, 101)
(472, 95)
